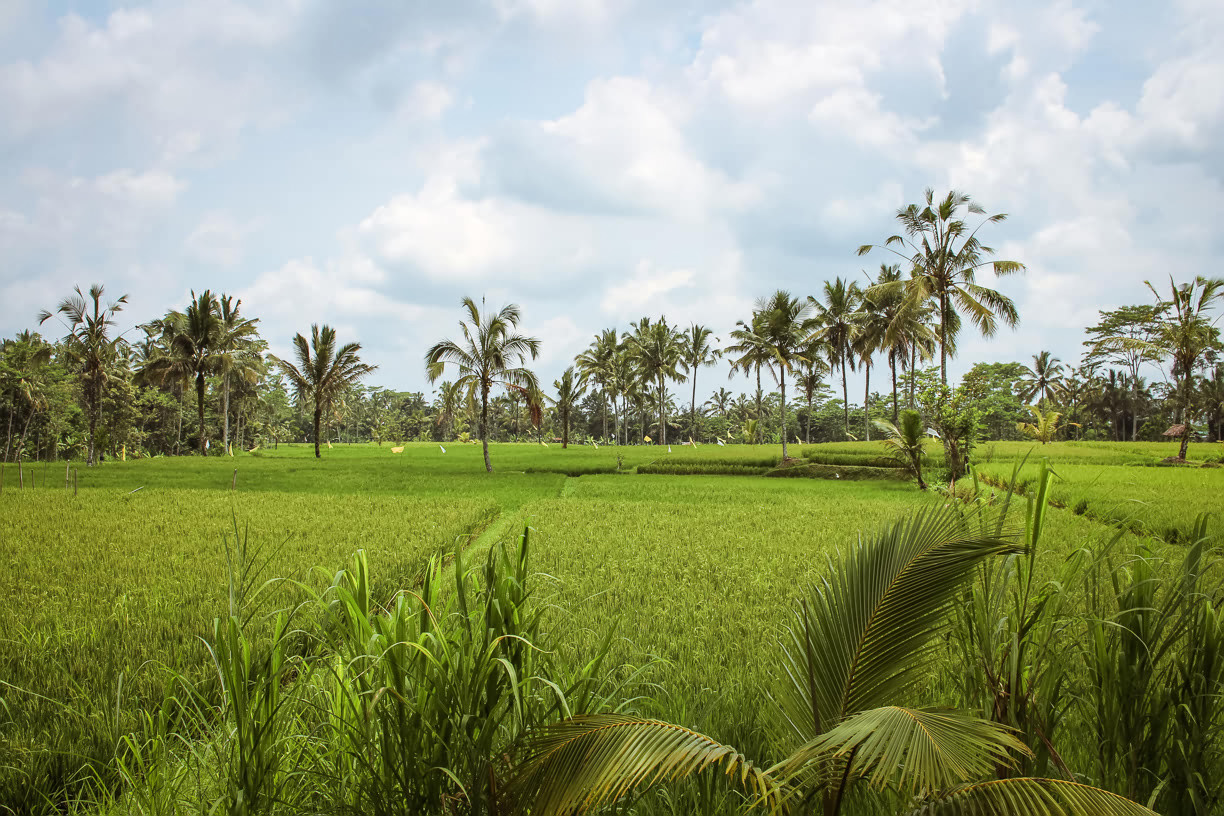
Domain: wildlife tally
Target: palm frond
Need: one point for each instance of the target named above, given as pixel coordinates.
(1027, 796)
(864, 631)
(583, 763)
(910, 750)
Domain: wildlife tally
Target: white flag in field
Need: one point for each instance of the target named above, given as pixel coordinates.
(443, 449)
(400, 449)
(669, 448)
(720, 442)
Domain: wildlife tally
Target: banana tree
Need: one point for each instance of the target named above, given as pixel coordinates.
(861, 639)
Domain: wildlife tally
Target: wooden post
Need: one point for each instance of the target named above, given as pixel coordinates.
(234, 481)
(74, 482)
(20, 475)
(67, 471)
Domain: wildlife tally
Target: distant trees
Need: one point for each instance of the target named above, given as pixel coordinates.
(1043, 380)
(697, 351)
(92, 344)
(944, 254)
(658, 350)
(570, 389)
(837, 326)
(1187, 333)
(492, 353)
(324, 371)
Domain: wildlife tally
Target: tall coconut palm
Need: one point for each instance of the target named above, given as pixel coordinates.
(905, 334)
(698, 352)
(324, 372)
(450, 401)
(196, 345)
(1187, 333)
(836, 325)
(749, 354)
(239, 349)
(625, 382)
(570, 389)
(493, 353)
(720, 402)
(872, 336)
(162, 365)
(860, 640)
(598, 363)
(812, 374)
(92, 347)
(657, 349)
(782, 321)
(1043, 380)
(945, 254)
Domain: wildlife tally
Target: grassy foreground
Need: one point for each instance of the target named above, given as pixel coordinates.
(697, 573)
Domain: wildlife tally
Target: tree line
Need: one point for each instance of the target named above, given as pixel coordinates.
(93, 392)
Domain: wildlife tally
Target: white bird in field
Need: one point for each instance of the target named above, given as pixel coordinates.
(443, 449)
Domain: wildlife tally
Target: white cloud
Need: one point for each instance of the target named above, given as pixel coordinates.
(219, 239)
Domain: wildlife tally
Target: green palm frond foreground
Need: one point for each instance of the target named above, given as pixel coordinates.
(860, 639)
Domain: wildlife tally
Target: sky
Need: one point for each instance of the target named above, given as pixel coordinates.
(367, 164)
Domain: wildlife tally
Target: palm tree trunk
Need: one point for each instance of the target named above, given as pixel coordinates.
(760, 409)
(867, 400)
(564, 430)
(318, 420)
(95, 408)
(178, 431)
(913, 376)
(693, 408)
(484, 425)
(605, 413)
(809, 418)
(225, 410)
(782, 383)
(892, 365)
(200, 408)
(662, 411)
(845, 398)
(943, 346)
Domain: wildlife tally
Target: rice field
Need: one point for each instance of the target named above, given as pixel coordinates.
(691, 556)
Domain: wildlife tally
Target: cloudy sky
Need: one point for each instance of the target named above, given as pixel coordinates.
(367, 163)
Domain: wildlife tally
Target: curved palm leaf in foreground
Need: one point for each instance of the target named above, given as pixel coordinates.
(907, 749)
(1030, 797)
(860, 640)
(584, 762)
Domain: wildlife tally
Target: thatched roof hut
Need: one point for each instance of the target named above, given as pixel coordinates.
(1176, 430)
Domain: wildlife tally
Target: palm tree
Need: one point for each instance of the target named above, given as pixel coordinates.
(22, 360)
(945, 254)
(875, 318)
(904, 333)
(450, 400)
(323, 372)
(812, 373)
(782, 321)
(657, 350)
(749, 354)
(837, 328)
(861, 639)
(197, 340)
(570, 389)
(1186, 334)
(1044, 380)
(598, 363)
(720, 402)
(492, 354)
(905, 443)
(91, 346)
(698, 352)
(1043, 428)
(238, 354)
